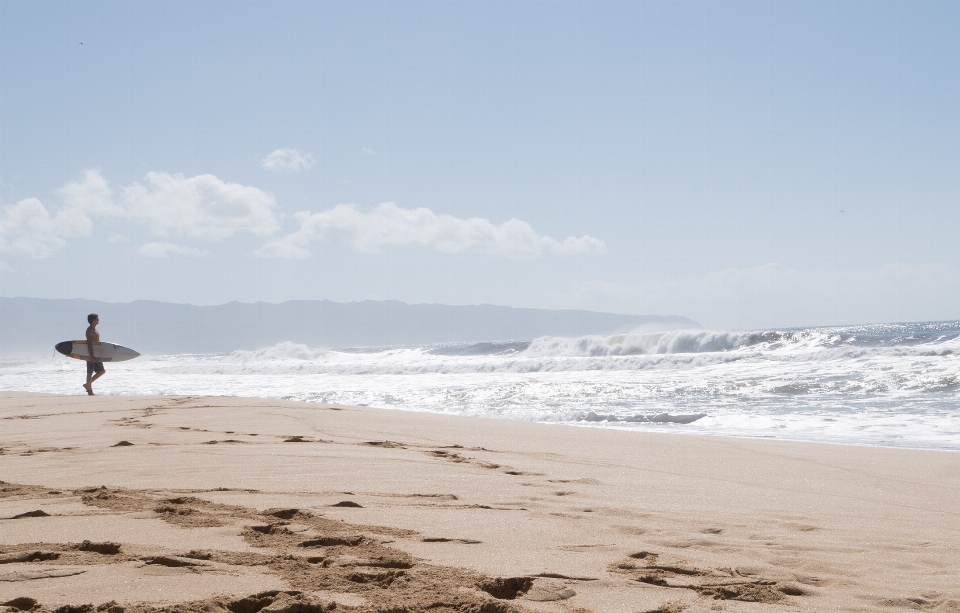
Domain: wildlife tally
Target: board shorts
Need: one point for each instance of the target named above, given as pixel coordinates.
(93, 367)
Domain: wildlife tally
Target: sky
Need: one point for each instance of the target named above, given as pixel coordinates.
(745, 164)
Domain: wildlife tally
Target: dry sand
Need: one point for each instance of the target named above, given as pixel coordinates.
(245, 505)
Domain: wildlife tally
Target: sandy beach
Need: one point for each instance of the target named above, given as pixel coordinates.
(208, 504)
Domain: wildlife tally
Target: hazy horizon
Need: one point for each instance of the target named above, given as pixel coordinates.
(745, 165)
(838, 324)
(30, 326)
(274, 302)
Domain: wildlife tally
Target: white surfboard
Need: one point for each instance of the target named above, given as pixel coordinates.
(102, 352)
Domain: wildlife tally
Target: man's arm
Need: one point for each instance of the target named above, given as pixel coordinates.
(90, 338)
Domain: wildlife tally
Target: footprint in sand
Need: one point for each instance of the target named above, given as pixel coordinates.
(440, 539)
(37, 513)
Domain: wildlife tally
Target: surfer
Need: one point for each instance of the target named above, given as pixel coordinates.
(95, 367)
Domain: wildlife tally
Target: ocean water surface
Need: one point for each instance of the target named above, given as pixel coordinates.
(891, 385)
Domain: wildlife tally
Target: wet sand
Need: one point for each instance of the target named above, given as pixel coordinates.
(243, 505)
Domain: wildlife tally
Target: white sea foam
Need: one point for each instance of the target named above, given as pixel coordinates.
(888, 385)
(678, 341)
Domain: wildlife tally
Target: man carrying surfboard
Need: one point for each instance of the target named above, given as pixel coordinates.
(95, 367)
(94, 352)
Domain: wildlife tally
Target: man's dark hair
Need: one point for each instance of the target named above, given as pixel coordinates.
(91, 317)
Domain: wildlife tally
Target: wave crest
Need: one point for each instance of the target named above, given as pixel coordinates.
(675, 341)
(281, 351)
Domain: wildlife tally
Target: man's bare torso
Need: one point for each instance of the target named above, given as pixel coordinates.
(93, 335)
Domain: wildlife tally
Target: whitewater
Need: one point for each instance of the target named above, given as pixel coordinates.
(890, 385)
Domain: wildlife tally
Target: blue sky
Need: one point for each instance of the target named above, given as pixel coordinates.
(746, 164)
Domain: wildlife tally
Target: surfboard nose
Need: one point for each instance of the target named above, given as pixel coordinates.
(66, 347)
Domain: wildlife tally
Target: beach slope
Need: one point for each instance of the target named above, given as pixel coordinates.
(245, 505)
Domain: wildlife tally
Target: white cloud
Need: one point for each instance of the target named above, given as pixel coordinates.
(202, 206)
(389, 225)
(4, 267)
(117, 238)
(367, 151)
(162, 250)
(91, 195)
(287, 159)
(27, 228)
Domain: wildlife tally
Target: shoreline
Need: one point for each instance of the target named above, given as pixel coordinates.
(861, 385)
(597, 519)
(581, 424)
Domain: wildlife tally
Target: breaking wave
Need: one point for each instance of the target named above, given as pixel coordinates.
(939, 339)
(881, 384)
(663, 350)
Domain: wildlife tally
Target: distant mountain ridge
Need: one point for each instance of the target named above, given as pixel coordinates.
(31, 326)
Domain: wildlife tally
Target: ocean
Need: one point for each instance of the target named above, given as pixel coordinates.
(890, 385)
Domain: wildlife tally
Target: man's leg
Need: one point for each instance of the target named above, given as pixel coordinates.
(94, 371)
(99, 370)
